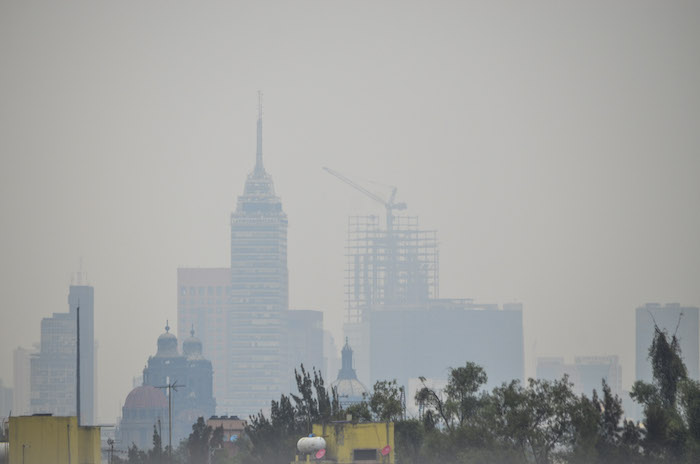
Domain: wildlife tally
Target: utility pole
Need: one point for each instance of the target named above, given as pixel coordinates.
(110, 443)
(171, 387)
(77, 387)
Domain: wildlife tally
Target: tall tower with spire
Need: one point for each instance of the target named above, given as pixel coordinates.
(259, 293)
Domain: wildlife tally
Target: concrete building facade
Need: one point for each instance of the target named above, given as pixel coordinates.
(427, 341)
(367, 442)
(42, 439)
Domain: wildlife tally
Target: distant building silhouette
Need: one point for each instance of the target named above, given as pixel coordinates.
(674, 319)
(53, 369)
(586, 373)
(191, 371)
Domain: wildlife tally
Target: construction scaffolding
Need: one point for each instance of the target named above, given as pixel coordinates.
(389, 267)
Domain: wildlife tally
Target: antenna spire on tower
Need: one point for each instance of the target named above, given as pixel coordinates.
(259, 169)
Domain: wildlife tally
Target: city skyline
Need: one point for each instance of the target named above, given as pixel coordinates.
(559, 173)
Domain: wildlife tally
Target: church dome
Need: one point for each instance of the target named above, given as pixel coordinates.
(192, 346)
(167, 344)
(145, 397)
(349, 389)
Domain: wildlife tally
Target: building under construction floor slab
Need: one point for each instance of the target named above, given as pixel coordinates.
(392, 267)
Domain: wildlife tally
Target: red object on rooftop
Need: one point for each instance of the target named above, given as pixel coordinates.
(320, 453)
(386, 450)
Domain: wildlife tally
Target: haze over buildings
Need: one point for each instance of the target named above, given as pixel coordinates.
(554, 148)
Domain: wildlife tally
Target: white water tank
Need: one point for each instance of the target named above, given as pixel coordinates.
(310, 445)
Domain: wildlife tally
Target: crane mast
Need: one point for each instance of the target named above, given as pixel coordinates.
(390, 205)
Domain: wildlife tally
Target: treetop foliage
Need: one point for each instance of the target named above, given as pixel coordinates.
(537, 422)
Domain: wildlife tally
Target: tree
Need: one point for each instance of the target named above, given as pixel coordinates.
(462, 387)
(314, 404)
(385, 401)
(136, 456)
(667, 365)
(460, 401)
(202, 441)
(600, 433)
(156, 454)
(536, 421)
(274, 440)
(665, 430)
(689, 401)
(359, 412)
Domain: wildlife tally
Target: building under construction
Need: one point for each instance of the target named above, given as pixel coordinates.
(395, 320)
(387, 268)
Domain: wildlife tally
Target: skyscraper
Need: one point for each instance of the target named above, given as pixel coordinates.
(53, 368)
(83, 296)
(259, 294)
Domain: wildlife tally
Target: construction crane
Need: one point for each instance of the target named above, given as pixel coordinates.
(390, 205)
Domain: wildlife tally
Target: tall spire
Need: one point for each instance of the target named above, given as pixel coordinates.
(259, 169)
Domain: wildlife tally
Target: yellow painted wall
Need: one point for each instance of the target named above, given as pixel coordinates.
(52, 439)
(343, 438)
(89, 445)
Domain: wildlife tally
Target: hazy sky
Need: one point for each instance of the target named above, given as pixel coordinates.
(555, 146)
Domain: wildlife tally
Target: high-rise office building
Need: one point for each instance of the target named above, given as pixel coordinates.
(674, 319)
(21, 369)
(446, 333)
(203, 303)
(259, 294)
(53, 370)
